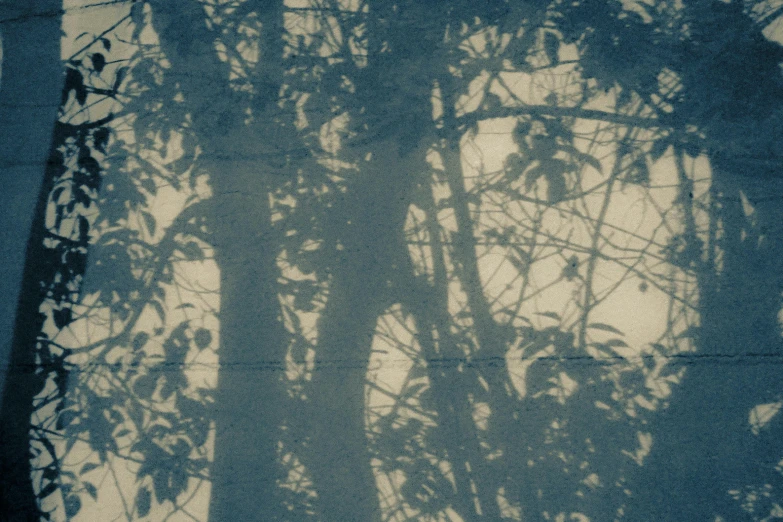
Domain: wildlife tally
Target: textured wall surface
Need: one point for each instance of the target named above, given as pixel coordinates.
(387, 260)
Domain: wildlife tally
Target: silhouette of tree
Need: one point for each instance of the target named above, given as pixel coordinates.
(249, 409)
(736, 259)
(387, 116)
(473, 191)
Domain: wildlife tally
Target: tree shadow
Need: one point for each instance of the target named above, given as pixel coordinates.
(337, 276)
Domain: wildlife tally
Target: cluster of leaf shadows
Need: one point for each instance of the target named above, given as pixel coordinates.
(332, 161)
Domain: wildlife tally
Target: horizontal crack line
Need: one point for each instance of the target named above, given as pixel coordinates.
(685, 359)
